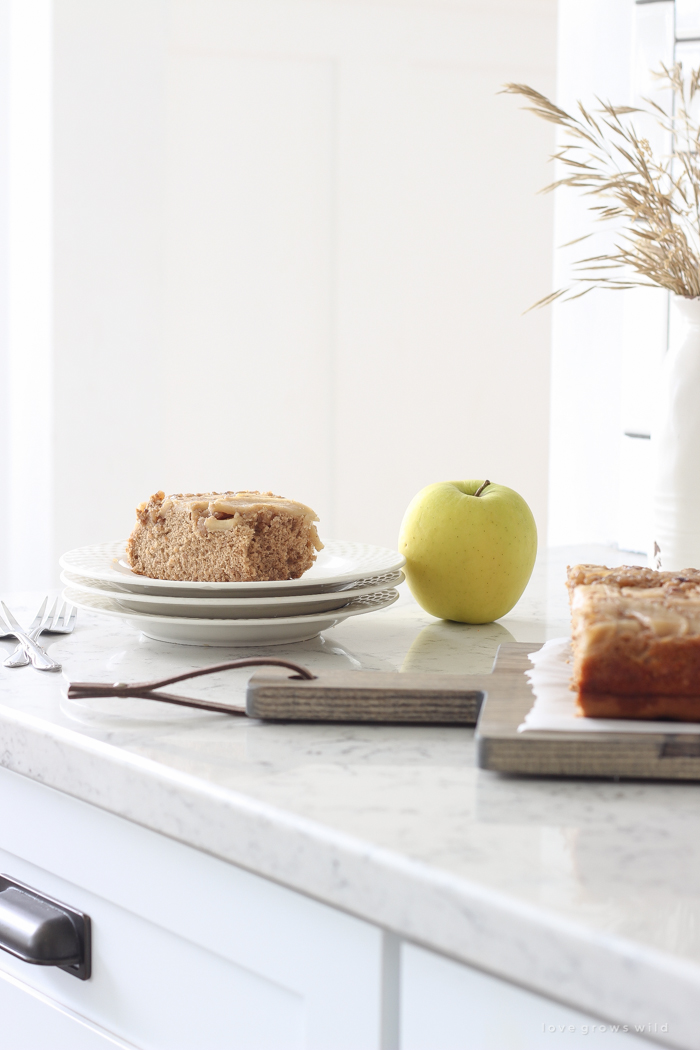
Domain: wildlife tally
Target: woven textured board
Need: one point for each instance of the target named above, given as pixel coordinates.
(366, 696)
(647, 756)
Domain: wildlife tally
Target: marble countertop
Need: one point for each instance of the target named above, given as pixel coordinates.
(585, 891)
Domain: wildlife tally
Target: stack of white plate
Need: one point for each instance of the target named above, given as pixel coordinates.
(347, 579)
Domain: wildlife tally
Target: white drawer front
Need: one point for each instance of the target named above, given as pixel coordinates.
(188, 951)
(448, 1006)
(31, 1021)
(161, 991)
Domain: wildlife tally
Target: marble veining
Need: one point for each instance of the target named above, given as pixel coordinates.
(588, 892)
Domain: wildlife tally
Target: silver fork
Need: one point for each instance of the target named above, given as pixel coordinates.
(29, 650)
(57, 622)
(40, 659)
(36, 622)
(50, 624)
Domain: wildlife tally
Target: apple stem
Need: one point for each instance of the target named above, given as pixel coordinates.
(481, 488)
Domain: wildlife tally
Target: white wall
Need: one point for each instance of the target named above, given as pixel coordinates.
(4, 286)
(31, 511)
(595, 44)
(292, 246)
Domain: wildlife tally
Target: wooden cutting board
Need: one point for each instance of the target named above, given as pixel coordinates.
(499, 700)
(366, 696)
(659, 756)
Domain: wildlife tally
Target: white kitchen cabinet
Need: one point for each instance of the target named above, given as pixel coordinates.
(687, 19)
(188, 951)
(607, 350)
(448, 1006)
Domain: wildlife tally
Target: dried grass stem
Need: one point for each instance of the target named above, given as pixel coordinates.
(653, 201)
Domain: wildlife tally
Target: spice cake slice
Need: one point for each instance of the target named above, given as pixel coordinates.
(636, 642)
(223, 537)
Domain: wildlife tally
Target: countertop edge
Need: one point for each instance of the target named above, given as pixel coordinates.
(610, 977)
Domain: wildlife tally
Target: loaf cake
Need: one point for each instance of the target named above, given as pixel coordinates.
(635, 642)
(223, 537)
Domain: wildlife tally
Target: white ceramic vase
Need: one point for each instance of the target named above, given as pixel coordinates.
(676, 444)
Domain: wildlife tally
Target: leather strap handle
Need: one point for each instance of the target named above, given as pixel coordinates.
(147, 690)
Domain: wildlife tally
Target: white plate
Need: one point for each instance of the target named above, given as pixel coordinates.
(225, 608)
(278, 630)
(340, 565)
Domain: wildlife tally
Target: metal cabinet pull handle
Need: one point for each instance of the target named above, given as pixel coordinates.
(43, 931)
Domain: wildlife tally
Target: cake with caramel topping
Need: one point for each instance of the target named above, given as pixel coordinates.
(223, 537)
(636, 642)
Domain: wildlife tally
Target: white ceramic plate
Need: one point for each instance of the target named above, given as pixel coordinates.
(278, 630)
(340, 565)
(224, 607)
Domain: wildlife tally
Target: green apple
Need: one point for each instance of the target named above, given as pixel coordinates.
(470, 549)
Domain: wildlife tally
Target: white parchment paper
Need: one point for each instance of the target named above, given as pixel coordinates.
(554, 708)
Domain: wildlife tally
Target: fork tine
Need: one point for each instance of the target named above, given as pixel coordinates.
(51, 617)
(11, 620)
(63, 621)
(40, 615)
